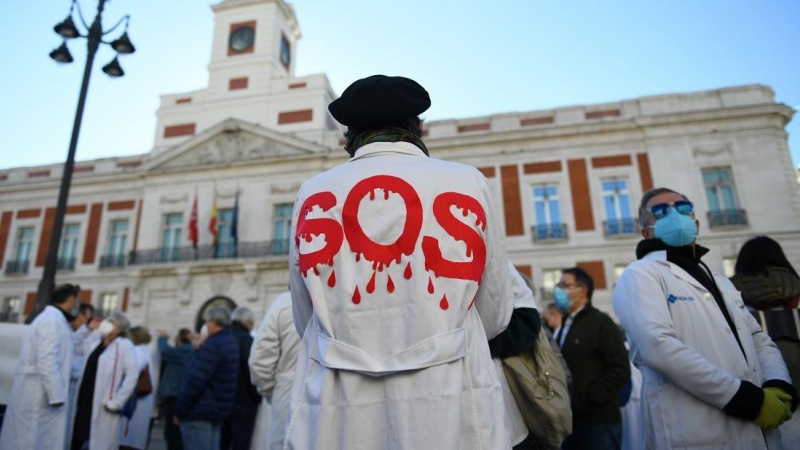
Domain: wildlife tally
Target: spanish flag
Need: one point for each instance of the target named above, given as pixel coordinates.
(212, 223)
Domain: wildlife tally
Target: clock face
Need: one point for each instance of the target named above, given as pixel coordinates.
(286, 52)
(242, 38)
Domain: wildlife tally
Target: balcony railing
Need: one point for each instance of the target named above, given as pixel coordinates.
(9, 317)
(550, 232)
(66, 264)
(210, 252)
(111, 261)
(621, 227)
(17, 267)
(727, 218)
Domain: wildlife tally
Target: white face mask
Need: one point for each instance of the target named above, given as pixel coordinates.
(105, 328)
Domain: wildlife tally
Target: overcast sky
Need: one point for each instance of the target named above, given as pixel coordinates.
(475, 58)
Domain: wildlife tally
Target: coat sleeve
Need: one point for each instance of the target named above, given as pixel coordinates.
(640, 302)
(494, 300)
(130, 366)
(47, 362)
(265, 354)
(617, 370)
(302, 308)
(200, 372)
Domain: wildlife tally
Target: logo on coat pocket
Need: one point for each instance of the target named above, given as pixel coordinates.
(672, 298)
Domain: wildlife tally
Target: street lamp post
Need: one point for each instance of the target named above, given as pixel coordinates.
(94, 36)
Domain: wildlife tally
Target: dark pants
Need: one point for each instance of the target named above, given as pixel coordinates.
(237, 430)
(607, 436)
(527, 444)
(172, 432)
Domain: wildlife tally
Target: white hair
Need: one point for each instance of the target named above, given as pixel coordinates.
(243, 315)
(220, 315)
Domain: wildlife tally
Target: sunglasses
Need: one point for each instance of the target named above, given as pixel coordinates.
(661, 210)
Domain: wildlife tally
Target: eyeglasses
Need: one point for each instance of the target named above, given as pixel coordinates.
(564, 285)
(660, 210)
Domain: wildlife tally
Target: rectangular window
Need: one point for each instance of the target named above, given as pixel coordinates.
(617, 203)
(9, 310)
(109, 302)
(225, 242)
(171, 237)
(723, 206)
(69, 247)
(547, 214)
(117, 245)
(550, 278)
(20, 261)
(281, 227)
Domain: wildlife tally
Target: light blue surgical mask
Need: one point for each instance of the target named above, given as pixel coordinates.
(676, 229)
(561, 298)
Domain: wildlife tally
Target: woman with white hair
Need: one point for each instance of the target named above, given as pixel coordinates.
(108, 379)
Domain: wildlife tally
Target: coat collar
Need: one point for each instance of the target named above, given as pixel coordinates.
(660, 256)
(376, 148)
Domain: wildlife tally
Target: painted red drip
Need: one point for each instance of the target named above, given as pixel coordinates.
(356, 296)
(443, 303)
(316, 271)
(372, 195)
(332, 279)
(407, 272)
(371, 284)
(430, 285)
(358, 257)
(473, 302)
(390, 285)
(330, 228)
(476, 247)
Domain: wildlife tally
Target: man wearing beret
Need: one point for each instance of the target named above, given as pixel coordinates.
(398, 276)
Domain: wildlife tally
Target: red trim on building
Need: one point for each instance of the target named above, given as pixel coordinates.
(138, 223)
(128, 164)
(304, 115)
(542, 167)
(591, 115)
(186, 129)
(92, 233)
(83, 169)
(5, 230)
(533, 121)
(581, 195)
(85, 296)
(125, 297)
(611, 161)
(297, 85)
(596, 270)
(30, 301)
(75, 209)
(29, 213)
(488, 172)
(234, 27)
(44, 238)
(178, 101)
(475, 127)
(512, 204)
(39, 173)
(525, 270)
(237, 83)
(644, 171)
(121, 205)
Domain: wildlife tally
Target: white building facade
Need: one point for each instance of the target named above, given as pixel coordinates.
(568, 180)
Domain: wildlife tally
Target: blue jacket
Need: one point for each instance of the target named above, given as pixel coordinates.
(211, 388)
(176, 362)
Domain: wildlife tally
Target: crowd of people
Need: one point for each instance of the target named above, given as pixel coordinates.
(389, 338)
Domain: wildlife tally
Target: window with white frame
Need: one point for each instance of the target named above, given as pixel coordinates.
(723, 206)
(69, 247)
(117, 244)
(10, 309)
(281, 227)
(617, 204)
(109, 302)
(547, 214)
(550, 278)
(171, 236)
(24, 244)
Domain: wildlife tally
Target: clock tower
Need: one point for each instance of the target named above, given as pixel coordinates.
(251, 77)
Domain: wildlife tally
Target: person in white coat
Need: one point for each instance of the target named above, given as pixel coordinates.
(272, 361)
(108, 381)
(37, 414)
(398, 276)
(135, 432)
(520, 336)
(711, 378)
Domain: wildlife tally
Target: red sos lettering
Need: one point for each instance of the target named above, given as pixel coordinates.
(383, 255)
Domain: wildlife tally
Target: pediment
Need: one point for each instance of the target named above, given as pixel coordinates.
(232, 142)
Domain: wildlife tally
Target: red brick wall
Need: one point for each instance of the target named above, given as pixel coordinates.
(92, 233)
(512, 205)
(581, 195)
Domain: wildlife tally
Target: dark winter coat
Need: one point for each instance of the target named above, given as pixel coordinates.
(211, 387)
(245, 391)
(595, 352)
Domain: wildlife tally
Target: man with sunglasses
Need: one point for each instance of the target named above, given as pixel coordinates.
(711, 377)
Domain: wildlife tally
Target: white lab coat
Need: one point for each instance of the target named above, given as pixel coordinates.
(632, 426)
(523, 298)
(41, 380)
(134, 432)
(117, 376)
(272, 361)
(691, 364)
(395, 351)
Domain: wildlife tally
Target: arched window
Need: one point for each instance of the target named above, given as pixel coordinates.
(214, 302)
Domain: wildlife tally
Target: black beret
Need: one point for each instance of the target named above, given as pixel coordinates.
(378, 101)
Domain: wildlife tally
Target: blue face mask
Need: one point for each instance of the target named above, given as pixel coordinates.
(561, 297)
(676, 229)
